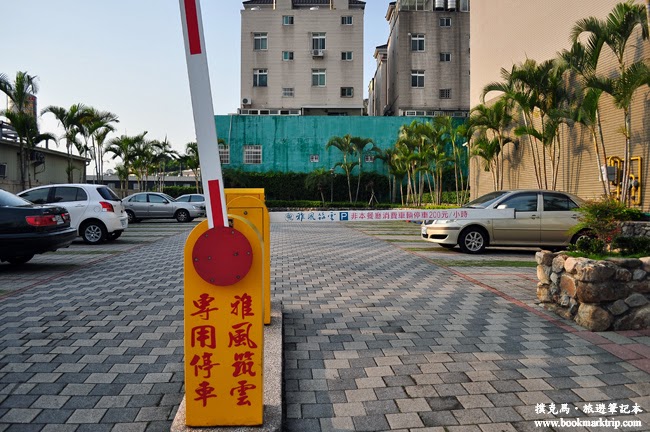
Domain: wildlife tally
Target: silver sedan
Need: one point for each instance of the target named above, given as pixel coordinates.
(156, 205)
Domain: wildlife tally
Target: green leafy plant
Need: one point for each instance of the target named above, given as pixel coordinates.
(631, 245)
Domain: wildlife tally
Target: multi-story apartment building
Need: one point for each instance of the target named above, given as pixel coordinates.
(302, 57)
(424, 67)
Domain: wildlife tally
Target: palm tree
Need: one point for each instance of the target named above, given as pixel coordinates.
(124, 147)
(94, 129)
(72, 122)
(345, 146)
(20, 93)
(495, 122)
(163, 153)
(488, 151)
(191, 160)
(318, 179)
(359, 146)
(615, 32)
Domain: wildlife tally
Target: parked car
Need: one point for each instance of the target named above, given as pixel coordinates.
(155, 205)
(28, 229)
(541, 218)
(191, 198)
(95, 211)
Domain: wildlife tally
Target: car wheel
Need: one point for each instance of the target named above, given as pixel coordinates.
(132, 218)
(113, 236)
(93, 232)
(581, 234)
(447, 246)
(183, 216)
(19, 260)
(473, 240)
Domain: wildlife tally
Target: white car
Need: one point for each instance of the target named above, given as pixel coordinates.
(95, 210)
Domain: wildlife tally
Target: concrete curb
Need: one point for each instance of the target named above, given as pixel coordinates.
(273, 407)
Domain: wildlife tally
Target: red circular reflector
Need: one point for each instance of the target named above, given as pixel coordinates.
(222, 256)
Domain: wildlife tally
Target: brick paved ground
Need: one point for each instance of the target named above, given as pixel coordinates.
(376, 338)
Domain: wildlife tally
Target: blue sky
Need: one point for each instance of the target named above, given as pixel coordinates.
(127, 57)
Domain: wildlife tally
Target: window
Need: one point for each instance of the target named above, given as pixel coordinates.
(318, 77)
(445, 22)
(414, 4)
(139, 198)
(464, 5)
(38, 196)
(526, 202)
(417, 42)
(346, 20)
(156, 199)
(261, 41)
(347, 92)
(558, 202)
(107, 194)
(346, 55)
(68, 194)
(417, 78)
(253, 154)
(3, 170)
(260, 77)
(287, 55)
(445, 57)
(287, 92)
(224, 153)
(287, 20)
(369, 158)
(318, 41)
(314, 158)
(445, 93)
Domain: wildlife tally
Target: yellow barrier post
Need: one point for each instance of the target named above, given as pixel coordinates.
(254, 210)
(224, 330)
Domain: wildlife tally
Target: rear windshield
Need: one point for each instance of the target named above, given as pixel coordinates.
(7, 199)
(108, 194)
(485, 200)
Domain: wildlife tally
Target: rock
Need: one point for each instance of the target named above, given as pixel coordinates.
(570, 264)
(636, 300)
(543, 273)
(587, 292)
(629, 263)
(573, 306)
(593, 317)
(568, 285)
(623, 275)
(554, 277)
(618, 308)
(642, 286)
(596, 271)
(638, 274)
(564, 300)
(645, 264)
(544, 257)
(558, 263)
(543, 293)
(638, 319)
(564, 313)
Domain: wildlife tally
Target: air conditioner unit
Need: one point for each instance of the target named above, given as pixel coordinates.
(246, 101)
(317, 53)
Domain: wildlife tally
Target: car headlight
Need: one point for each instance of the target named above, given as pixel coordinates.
(197, 207)
(444, 221)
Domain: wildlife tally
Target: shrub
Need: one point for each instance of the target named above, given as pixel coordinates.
(631, 245)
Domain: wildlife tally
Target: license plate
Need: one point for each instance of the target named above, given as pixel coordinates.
(58, 219)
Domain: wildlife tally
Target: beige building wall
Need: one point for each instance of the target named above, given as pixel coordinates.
(539, 30)
(263, 17)
(53, 168)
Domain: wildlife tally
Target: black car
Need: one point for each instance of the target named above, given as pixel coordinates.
(28, 229)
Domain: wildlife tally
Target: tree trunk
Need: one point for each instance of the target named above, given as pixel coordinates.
(602, 143)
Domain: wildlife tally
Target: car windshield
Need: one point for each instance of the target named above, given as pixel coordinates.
(10, 200)
(108, 194)
(485, 200)
(168, 197)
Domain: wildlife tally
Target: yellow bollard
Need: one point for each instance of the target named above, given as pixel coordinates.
(224, 330)
(254, 210)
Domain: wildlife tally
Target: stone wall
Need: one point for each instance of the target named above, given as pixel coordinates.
(635, 229)
(598, 295)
